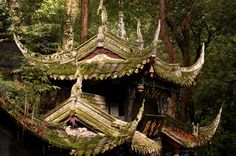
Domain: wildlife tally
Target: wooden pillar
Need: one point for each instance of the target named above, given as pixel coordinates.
(176, 153)
(171, 105)
(128, 111)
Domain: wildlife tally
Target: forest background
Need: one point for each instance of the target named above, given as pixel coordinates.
(185, 25)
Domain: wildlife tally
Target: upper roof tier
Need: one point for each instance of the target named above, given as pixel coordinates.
(107, 56)
(115, 58)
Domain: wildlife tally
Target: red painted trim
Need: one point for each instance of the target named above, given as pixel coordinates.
(102, 51)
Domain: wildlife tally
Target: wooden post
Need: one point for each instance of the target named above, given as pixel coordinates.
(171, 105)
(176, 152)
(129, 110)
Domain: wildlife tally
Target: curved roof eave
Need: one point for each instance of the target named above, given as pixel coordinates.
(189, 140)
(183, 76)
(209, 131)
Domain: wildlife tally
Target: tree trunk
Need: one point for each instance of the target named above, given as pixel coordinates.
(84, 20)
(185, 94)
(164, 35)
(183, 40)
(68, 34)
(186, 41)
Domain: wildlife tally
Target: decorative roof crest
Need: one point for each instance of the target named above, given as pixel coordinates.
(121, 26)
(76, 89)
(102, 10)
(156, 39)
(139, 35)
(103, 27)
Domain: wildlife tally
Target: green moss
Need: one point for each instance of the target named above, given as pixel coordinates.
(85, 68)
(61, 69)
(183, 80)
(186, 143)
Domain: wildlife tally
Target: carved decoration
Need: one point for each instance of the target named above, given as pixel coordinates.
(76, 89)
(139, 35)
(121, 26)
(103, 13)
(156, 39)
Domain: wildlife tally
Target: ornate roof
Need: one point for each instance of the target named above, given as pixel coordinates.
(115, 59)
(108, 133)
(108, 56)
(105, 56)
(190, 137)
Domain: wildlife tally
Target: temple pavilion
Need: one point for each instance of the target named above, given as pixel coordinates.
(114, 92)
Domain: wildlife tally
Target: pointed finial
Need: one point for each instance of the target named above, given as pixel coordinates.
(202, 53)
(155, 40)
(121, 26)
(139, 35)
(103, 12)
(195, 129)
(103, 27)
(100, 7)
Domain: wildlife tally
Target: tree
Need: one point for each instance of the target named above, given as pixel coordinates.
(171, 50)
(5, 21)
(216, 88)
(84, 20)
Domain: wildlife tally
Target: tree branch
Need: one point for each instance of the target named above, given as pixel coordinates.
(177, 35)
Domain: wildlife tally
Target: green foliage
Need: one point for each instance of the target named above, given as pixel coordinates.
(33, 77)
(40, 38)
(33, 83)
(24, 87)
(12, 94)
(216, 87)
(143, 9)
(5, 21)
(41, 24)
(7, 88)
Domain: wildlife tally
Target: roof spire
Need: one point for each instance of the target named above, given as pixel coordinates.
(102, 10)
(121, 26)
(103, 27)
(139, 35)
(121, 4)
(156, 39)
